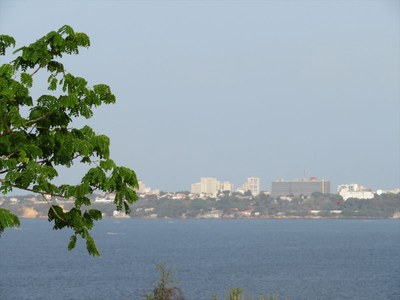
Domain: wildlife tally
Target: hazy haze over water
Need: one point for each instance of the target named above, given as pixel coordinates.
(232, 89)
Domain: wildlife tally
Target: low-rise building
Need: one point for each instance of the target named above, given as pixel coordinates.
(354, 190)
(394, 191)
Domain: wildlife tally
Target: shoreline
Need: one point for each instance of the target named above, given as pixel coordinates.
(241, 218)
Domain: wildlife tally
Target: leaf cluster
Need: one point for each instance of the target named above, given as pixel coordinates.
(33, 147)
(7, 220)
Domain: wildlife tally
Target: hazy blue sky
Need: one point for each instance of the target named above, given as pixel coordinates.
(232, 89)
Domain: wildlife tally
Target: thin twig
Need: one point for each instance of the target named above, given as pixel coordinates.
(39, 118)
(32, 190)
(5, 157)
(36, 70)
(51, 207)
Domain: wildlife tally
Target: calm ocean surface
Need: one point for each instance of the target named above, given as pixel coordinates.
(295, 259)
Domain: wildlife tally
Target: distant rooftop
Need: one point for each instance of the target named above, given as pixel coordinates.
(311, 179)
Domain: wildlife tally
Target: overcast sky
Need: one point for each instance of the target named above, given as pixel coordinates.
(232, 89)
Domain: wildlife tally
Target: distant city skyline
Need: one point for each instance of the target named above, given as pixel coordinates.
(210, 187)
(230, 89)
(297, 186)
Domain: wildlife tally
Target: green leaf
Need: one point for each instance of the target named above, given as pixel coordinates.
(7, 71)
(107, 164)
(91, 246)
(95, 214)
(104, 94)
(66, 29)
(72, 242)
(22, 157)
(127, 208)
(52, 82)
(5, 42)
(56, 214)
(55, 67)
(26, 79)
(7, 220)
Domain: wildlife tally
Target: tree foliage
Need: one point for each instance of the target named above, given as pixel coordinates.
(37, 136)
(7, 219)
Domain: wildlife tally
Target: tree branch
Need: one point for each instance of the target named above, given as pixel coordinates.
(5, 132)
(28, 122)
(42, 194)
(51, 207)
(9, 155)
(39, 192)
(39, 118)
(32, 190)
(36, 70)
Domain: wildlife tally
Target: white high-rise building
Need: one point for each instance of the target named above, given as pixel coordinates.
(142, 187)
(226, 186)
(209, 185)
(253, 185)
(196, 188)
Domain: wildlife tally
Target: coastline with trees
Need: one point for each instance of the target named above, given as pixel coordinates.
(225, 206)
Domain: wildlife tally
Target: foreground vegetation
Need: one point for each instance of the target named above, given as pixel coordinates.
(38, 137)
(164, 291)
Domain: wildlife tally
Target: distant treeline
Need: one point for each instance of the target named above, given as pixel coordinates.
(233, 206)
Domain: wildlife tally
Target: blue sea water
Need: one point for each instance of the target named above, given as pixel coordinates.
(294, 259)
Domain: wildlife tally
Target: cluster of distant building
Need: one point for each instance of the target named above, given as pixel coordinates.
(143, 189)
(212, 186)
(294, 188)
(304, 187)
